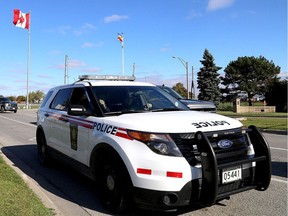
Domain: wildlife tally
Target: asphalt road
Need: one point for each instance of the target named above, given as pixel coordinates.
(70, 193)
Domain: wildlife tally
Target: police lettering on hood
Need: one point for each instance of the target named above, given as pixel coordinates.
(210, 123)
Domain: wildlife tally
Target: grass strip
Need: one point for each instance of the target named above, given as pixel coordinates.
(16, 198)
(266, 123)
(271, 121)
(254, 114)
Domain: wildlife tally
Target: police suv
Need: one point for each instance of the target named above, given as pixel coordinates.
(143, 146)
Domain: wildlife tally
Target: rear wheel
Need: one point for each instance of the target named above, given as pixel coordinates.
(2, 109)
(114, 186)
(42, 149)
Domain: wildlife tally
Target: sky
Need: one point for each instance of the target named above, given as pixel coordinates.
(153, 30)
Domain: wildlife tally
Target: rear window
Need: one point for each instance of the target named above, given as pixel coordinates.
(60, 102)
(47, 96)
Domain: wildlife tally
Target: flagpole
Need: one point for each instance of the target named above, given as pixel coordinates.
(122, 56)
(28, 63)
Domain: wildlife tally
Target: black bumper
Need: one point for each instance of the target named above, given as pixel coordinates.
(209, 189)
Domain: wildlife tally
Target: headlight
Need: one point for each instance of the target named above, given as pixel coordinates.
(158, 143)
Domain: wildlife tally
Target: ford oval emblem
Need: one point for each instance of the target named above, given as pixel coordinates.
(225, 143)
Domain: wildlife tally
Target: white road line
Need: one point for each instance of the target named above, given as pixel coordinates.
(278, 148)
(279, 180)
(19, 122)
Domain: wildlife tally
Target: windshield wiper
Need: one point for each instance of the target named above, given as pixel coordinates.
(166, 109)
(125, 112)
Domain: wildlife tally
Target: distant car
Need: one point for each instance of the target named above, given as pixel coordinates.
(7, 105)
(197, 105)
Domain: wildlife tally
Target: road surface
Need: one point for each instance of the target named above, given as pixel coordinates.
(70, 193)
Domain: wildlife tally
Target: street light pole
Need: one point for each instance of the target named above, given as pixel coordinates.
(185, 64)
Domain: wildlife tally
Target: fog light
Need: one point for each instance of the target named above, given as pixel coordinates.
(166, 200)
(170, 199)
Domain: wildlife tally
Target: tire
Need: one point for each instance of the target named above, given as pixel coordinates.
(15, 111)
(2, 109)
(42, 149)
(114, 187)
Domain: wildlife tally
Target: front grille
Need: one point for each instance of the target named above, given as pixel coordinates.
(188, 145)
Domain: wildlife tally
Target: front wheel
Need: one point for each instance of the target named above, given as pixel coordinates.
(114, 187)
(2, 109)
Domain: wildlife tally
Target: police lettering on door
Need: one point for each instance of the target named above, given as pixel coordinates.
(105, 128)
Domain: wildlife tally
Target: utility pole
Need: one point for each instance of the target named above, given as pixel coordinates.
(193, 85)
(185, 64)
(66, 69)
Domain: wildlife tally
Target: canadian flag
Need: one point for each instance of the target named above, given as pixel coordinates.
(21, 20)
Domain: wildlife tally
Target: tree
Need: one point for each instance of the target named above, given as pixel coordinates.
(12, 98)
(179, 87)
(21, 98)
(208, 79)
(250, 75)
(276, 95)
(36, 97)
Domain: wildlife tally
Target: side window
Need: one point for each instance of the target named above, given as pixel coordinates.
(79, 97)
(61, 100)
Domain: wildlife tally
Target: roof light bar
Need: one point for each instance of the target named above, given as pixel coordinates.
(106, 77)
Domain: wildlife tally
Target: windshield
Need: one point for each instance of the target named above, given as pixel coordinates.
(5, 100)
(171, 92)
(127, 99)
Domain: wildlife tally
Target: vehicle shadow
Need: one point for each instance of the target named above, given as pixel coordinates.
(66, 183)
(279, 168)
(57, 178)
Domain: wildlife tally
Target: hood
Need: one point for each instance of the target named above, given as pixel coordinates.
(173, 122)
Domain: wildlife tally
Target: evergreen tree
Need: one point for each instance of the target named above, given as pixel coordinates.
(208, 79)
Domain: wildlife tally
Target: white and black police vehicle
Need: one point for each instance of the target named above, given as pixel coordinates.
(144, 147)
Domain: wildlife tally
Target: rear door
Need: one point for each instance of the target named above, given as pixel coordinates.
(57, 120)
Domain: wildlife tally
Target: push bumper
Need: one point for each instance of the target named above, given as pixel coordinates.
(209, 189)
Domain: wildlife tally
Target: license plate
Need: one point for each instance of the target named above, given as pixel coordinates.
(231, 174)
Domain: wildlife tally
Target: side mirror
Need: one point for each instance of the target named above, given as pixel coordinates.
(77, 110)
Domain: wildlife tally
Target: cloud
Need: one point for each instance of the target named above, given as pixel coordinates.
(92, 70)
(67, 29)
(218, 4)
(114, 18)
(54, 52)
(89, 44)
(193, 14)
(72, 64)
(85, 28)
(64, 29)
(76, 63)
(165, 48)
